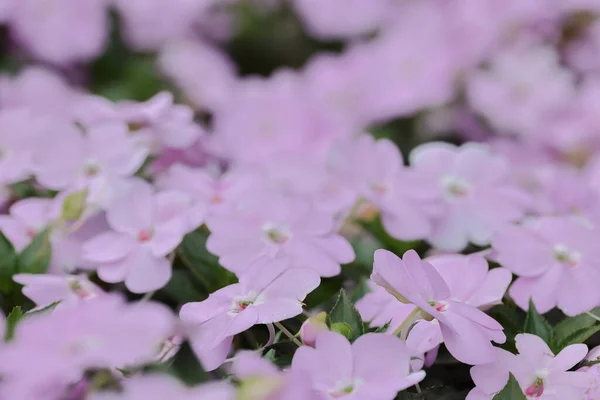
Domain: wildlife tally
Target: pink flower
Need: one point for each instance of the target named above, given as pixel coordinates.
(211, 194)
(69, 290)
(158, 387)
(27, 218)
(204, 74)
(593, 392)
(342, 19)
(63, 31)
(464, 329)
(271, 292)
(474, 193)
(105, 333)
(18, 134)
(150, 24)
(277, 225)
(557, 262)
(379, 307)
(73, 158)
(375, 170)
(470, 279)
(539, 372)
(375, 366)
(159, 122)
(144, 228)
(262, 380)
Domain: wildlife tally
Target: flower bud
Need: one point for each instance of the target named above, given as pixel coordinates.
(73, 205)
(258, 388)
(311, 328)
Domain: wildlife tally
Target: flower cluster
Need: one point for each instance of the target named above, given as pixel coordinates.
(410, 181)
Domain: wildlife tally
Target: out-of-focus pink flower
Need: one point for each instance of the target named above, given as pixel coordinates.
(157, 387)
(475, 195)
(211, 194)
(61, 31)
(74, 159)
(539, 372)
(278, 226)
(194, 156)
(416, 56)
(158, 122)
(145, 227)
(271, 293)
(26, 220)
(206, 77)
(342, 19)
(148, 24)
(39, 89)
(69, 290)
(520, 89)
(375, 366)
(557, 262)
(261, 380)
(267, 120)
(580, 52)
(104, 333)
(375, 170)
(18, 134)
(464, 329)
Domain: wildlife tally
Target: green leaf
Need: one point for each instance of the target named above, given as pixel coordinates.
(384, 328)
(203, 265)
(12, 320)
(35, 258)
(536, 324)
(187, 367)
(8, 265)
(512, 319)
(344, 311)
(575, 329)
(48, 308)
(342, 328)
(512, 391)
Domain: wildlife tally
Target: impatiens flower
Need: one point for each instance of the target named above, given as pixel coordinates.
(204, 74)
(68, 290)
(474, 193)
(470, 279)
(379, 308)
(211, 194)
(540, 373)
(104, 333)
(464, 329)
(278, 226)
(262, 380)
(18, 134)
(375, 366)
(27, 218)
(76, 158)
(471, 282)
(557, 261)
(271, 292)
(593, 391)
(62, 31)
(144, 228)
(159, 122)
(160, 387)
(375, 170)
(149, 24)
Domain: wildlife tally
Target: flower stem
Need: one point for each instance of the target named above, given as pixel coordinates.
(597, 318)
(288, 334)
(407, 323)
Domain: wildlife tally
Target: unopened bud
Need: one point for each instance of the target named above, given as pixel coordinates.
(73, 205)
(258, 388)
(311, 328)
